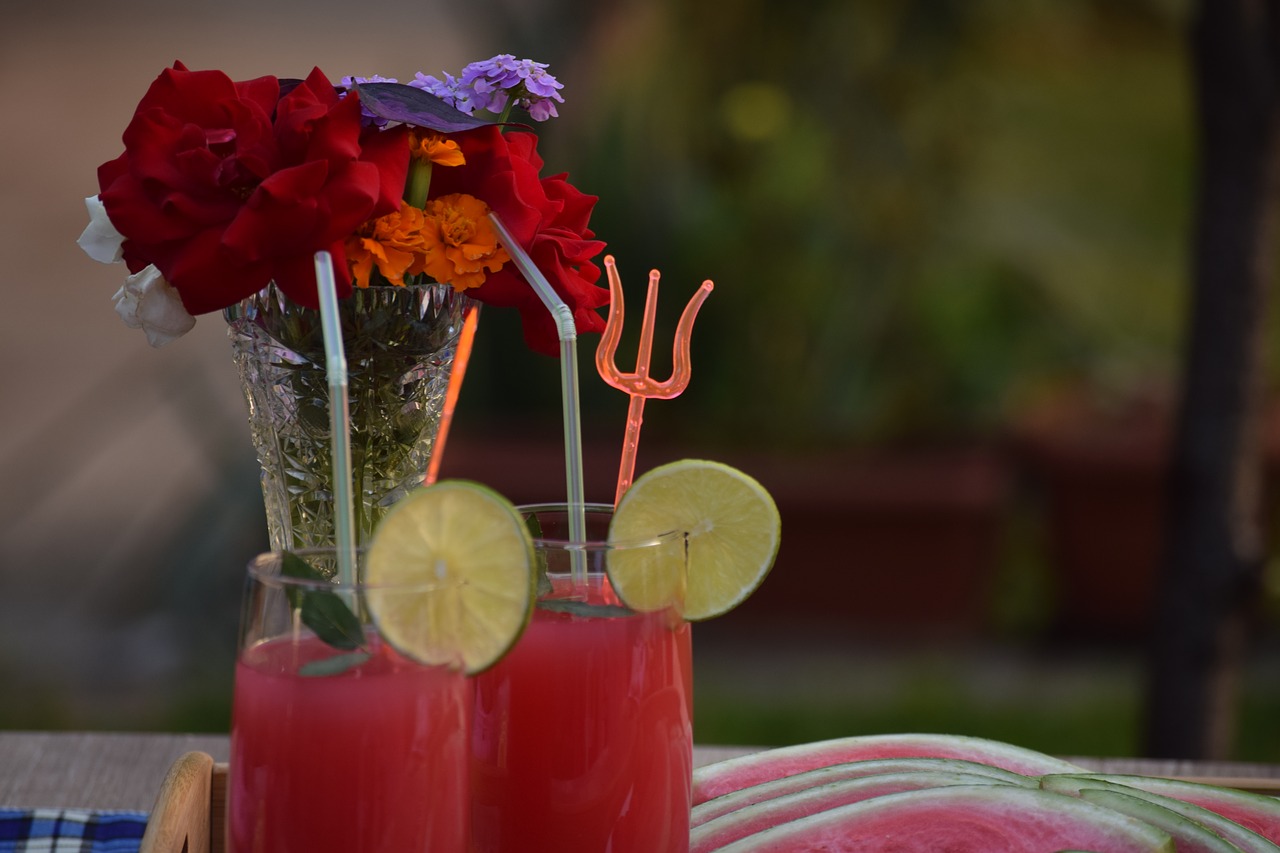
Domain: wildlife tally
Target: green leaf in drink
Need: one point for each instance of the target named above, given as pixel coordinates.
(335, 665)
(323, 611)
(540, 568)
(585, 609)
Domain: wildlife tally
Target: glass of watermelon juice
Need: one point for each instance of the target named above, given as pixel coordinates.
(582, 734)
(339, 744)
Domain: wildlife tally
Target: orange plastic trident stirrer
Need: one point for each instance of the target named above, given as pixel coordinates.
(638, 384)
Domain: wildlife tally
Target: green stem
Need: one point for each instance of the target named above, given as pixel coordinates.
(506, 114)
(418, 183)
(369, 421)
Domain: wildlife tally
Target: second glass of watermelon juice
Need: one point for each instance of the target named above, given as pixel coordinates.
(582, 735)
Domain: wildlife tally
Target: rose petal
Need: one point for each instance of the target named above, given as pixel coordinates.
(223, 186)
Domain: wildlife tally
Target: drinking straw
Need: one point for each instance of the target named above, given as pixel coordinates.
(568, 333)
(339, 418)
(461, 355)
(638, 385)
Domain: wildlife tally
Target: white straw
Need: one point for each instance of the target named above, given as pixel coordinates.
(339, 418)
(560, 312)
(568, 333)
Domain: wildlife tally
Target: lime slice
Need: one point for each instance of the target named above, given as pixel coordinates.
(733, 530)
(468, 557)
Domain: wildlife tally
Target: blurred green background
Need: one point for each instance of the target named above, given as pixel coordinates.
(937, 228)
(922, 217)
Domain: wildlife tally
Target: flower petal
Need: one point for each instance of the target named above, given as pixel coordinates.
(100, 240)
(148, 302)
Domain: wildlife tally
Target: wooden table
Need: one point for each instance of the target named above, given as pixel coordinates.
(102, 770)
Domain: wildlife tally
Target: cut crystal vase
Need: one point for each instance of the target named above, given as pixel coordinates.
(400, 345)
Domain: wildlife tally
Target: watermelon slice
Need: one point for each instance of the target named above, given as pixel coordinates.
(711, 835)
(962, 819)
(1242, 837)
(852, 770)
(1253, 811)
(1188, 836)
(734, 774)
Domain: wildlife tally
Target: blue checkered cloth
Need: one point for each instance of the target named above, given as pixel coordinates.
(70, 831)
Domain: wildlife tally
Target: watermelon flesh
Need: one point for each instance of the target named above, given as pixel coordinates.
(711, 835)
(1253, 811)
(852, 770)
(734, 774)
(961, 819)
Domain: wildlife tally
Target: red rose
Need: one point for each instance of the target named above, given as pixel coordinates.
(548, 216)
(225, 186)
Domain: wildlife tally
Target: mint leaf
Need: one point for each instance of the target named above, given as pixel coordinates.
(334, 623)
(543, 582)
(324, 612)
(293, 566)
(333, 666)
(585, 608)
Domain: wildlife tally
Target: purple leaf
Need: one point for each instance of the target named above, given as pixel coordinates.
(397, 102)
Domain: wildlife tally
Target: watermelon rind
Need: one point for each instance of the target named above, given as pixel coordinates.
(850, 770)
(733, 774)
(1188, 836)
(963, 819)
(710, 835)
(1242, 837)
(1258, 812)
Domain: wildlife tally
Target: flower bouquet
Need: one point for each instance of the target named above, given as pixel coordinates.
(227, 189)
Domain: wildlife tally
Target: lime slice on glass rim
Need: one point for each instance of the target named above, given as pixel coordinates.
(733, 530)
(467, 557)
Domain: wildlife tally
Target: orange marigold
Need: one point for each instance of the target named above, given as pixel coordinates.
(460, 241)
(394, 243)
(432, 147)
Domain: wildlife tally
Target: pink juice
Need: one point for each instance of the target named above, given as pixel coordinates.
(369, 760)
(582, 737)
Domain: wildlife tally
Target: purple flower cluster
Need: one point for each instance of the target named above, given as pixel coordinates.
(490, 84)
(450, 90)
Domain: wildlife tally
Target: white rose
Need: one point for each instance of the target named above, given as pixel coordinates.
(100, 241)
(150, 303)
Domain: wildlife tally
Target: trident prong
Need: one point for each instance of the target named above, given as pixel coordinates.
(638, 384)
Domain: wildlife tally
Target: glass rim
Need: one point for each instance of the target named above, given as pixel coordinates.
(266, 568)
(562, 544)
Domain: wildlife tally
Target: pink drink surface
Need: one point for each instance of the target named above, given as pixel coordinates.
(370, 760)
(582, 738)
